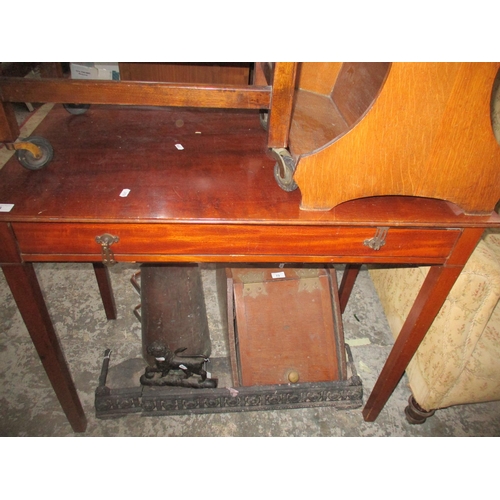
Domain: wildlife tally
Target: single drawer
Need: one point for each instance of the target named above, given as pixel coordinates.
(233, 242)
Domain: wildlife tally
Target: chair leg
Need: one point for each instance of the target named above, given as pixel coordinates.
(415, 414)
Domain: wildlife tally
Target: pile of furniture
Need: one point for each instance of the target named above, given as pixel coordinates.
(392, 163)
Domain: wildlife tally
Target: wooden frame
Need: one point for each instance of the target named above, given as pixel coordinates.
(273, 93)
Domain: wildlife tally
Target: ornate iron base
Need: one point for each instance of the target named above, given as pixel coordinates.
(160, 401)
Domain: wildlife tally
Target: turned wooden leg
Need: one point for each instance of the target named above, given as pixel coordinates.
(104, 282)
(415, 414)
(25, 288)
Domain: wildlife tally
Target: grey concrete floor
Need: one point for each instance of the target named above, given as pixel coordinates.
(30, 408)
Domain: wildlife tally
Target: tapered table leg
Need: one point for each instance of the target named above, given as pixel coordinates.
(25, 288)
(351, 272)
(430, 299)
(104, 282)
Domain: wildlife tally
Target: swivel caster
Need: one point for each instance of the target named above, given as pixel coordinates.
(76, 109)
(284, 169)
(34, 153)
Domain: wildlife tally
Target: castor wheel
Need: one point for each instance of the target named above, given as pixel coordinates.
(415, 414)
(31, 160)
(76, 109)
(284, 169)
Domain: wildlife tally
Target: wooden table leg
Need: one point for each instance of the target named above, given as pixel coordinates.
(347, 284)
(25, 288)
(104, 282)
(430, 299)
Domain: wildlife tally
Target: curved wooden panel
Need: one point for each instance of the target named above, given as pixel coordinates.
(428, 134)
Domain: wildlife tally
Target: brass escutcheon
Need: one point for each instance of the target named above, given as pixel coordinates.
(106, 240)
(378, 241)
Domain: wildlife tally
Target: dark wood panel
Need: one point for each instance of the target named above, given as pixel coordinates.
(315, 122)
(357, 86)
(223, 73)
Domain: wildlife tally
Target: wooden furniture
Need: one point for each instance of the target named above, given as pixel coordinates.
(459, 360)
(366, 129)
(213, 201)
(416, 129)
(272, 89)
(284, 325)
(172, 309)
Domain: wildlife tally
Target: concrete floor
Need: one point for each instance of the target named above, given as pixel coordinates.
(30, 408)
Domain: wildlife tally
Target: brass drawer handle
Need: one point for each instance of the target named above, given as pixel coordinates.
(378, 241)
(106, 240)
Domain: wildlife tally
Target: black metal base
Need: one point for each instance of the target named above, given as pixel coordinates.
(161, 401)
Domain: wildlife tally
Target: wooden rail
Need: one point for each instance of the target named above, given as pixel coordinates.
(134, 93)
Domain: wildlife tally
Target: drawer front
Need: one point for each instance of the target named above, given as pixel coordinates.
(232, 242)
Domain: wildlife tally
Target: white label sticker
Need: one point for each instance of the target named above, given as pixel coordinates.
(6, 207)
(278, 275)
(125, 193)
(179, 146)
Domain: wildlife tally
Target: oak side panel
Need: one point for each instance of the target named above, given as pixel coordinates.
(318, 77)
(428, 134)
(357, 86)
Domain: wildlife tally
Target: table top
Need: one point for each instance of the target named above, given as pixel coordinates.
(182, 166)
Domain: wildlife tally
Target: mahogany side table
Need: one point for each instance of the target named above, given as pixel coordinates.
(177, 185)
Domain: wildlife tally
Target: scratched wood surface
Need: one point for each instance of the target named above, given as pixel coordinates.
(223, 174)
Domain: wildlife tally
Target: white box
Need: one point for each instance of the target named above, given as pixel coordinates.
(95, 71)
